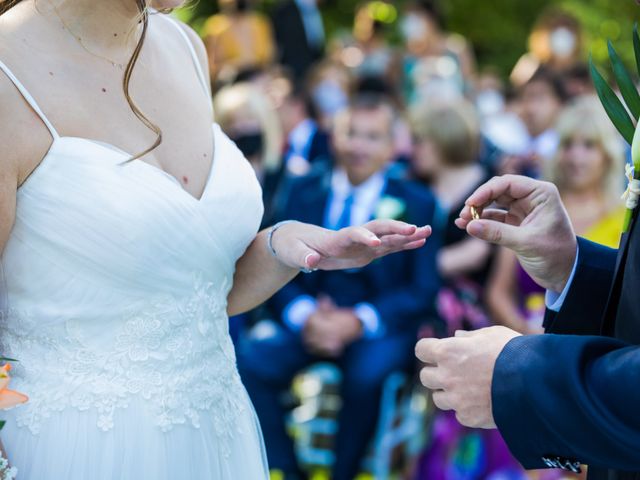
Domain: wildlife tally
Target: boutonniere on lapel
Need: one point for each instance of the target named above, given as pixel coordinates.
(619, 113)
(390, 208)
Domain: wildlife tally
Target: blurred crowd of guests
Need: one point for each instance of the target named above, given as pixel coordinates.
(347, 129)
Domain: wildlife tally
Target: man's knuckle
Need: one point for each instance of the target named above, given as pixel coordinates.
(424, 377)
(448, 383)
(461, 418)
(439, 400)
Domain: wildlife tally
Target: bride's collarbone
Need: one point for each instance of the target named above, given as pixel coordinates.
(86, 100)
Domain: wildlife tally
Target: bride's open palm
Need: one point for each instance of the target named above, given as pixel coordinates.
(310, 247)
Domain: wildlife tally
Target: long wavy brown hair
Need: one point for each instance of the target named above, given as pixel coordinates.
(143, 7)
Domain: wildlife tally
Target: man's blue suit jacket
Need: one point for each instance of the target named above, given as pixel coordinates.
(573, 394)
(402, 286)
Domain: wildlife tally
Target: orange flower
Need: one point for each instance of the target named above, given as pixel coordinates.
(9, 398)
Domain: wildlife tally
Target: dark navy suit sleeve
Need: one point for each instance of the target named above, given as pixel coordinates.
(569, 396)
(583, 309)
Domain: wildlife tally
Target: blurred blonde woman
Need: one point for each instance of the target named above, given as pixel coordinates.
(588, 169)
(447, 143)
(250, 120)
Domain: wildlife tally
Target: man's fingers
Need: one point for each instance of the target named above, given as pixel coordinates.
(503, 188)
(430, 377)
(427, 350)
(495, 214)
(463, 333)
(495, 232)
(461, 223)
(442, 400)
(466, 217)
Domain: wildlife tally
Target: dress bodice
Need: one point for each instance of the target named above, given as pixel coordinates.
(116, 281)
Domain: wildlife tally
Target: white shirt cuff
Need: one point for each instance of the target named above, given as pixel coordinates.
(298, 311)
(554, 300)
(371, 323)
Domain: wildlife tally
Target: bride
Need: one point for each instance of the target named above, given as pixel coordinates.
(129, 231)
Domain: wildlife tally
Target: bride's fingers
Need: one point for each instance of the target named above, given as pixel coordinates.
(311, 260)
(414, 245)
(390, 227)
(421, 233)
(363, 236)
(300, 255)
(399, 241)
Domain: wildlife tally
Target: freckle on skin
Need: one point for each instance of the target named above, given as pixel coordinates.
(104, 90)
(185, 180)
(51, 73)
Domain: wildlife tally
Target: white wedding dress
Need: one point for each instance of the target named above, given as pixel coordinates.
(116, 282)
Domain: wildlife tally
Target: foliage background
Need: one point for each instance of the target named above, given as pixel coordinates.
(497, 29)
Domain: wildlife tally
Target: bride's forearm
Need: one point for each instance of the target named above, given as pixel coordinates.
(258, 276)
(267, 266)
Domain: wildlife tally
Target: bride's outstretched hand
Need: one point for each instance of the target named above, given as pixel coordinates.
(308, 247)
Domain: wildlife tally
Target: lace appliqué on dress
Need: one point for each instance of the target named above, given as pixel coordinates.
(175, 353)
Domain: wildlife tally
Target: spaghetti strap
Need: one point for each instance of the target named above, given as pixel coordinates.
(196, 61)
(29, 99)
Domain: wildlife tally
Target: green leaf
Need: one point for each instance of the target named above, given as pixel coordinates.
(625, 83)
(2, 423)
(612, 105)
(636, 46)
(7, 359)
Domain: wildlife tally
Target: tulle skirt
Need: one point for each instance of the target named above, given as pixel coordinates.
(69, 446)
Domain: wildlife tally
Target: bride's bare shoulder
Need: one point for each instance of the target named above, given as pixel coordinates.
(196, 42)
(21, 126)
(20, 29)
(22, 129)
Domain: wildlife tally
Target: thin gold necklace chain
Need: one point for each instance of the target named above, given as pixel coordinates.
(78, 39)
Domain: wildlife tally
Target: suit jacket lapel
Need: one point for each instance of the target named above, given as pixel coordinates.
(616, 285)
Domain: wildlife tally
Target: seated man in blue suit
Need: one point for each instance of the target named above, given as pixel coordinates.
(365, 320)
(559, 400)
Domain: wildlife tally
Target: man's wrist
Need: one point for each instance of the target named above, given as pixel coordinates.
(555, 298)
(569, 260)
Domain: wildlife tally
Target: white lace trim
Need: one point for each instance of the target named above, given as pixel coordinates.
(175, 353)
